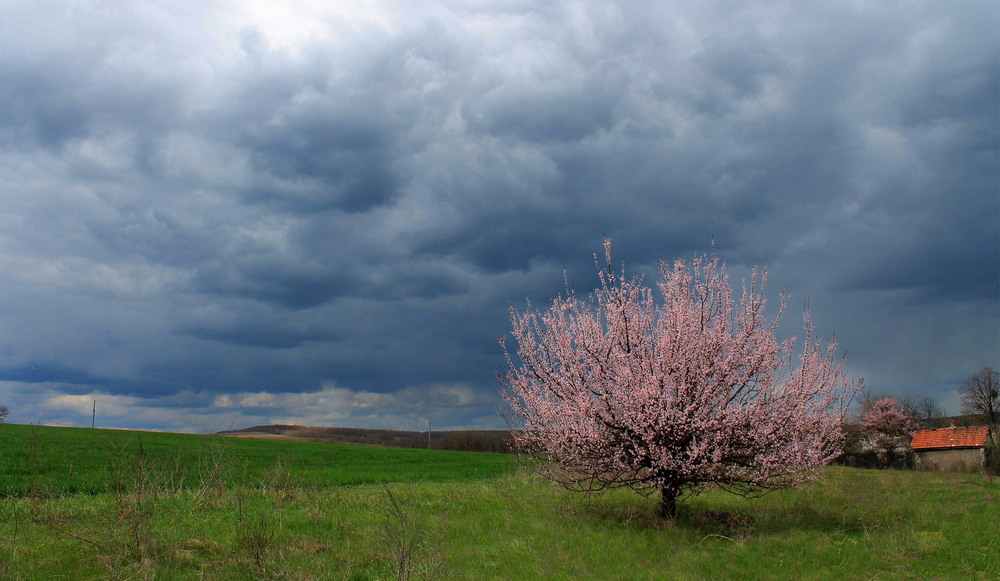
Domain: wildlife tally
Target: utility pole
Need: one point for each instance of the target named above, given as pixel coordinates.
(93, 416)
(428, 433)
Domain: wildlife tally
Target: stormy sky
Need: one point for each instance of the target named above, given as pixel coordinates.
(217, 213)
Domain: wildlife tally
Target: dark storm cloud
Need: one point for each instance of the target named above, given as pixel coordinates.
(265, 334)
(51, 373)
(322, 214)
(334, 163)
(284, 283)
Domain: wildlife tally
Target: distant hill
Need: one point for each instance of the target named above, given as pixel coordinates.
(462, 440)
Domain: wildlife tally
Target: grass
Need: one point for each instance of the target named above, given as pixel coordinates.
(457, 524)
(80, 460)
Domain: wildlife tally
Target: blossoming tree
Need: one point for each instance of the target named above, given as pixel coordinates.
(887, 429)
(622, 390)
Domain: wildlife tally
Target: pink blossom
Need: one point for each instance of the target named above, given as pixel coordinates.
(887, 417)
(623, 390)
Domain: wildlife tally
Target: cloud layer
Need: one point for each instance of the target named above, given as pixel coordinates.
(305, 213)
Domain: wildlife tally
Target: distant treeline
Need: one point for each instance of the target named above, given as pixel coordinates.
(461, 440)
(947, 421)
(499, 440)
(855, 456)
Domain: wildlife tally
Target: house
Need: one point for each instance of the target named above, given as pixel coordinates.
(952, 449)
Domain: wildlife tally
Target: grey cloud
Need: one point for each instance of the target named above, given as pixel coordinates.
(53, 373)
(247, 215)
(311, 276)
(69, 91)
(741, 65)
(334, 164)
(288, 284)
(560, 109)
(268, 335)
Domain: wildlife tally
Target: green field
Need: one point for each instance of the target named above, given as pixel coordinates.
(204, 507)
(73, 460)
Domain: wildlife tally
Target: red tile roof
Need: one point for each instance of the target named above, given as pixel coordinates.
(968, 437)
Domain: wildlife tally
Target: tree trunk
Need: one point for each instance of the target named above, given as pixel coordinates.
(668, 502)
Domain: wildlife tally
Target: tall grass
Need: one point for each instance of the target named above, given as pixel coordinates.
(851, 524)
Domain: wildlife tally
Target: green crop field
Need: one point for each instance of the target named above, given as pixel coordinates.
(169, 506)
(70, 460)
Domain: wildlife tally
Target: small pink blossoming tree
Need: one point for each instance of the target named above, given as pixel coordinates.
(887, 429)
(889, 417)
(622, 390)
